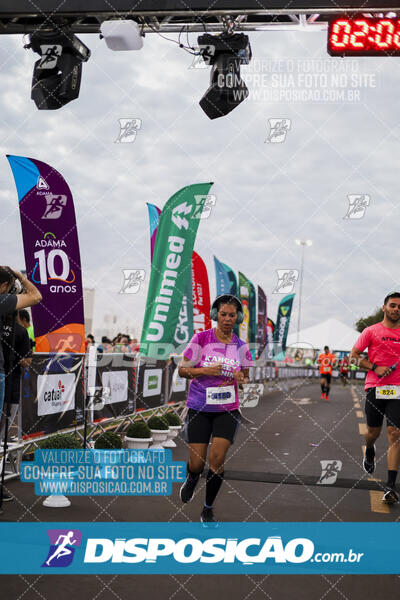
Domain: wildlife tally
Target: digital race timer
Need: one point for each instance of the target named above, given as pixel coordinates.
(364, 36)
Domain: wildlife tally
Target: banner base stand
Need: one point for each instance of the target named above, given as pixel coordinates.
(56, 501)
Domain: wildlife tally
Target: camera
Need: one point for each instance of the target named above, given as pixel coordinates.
(17, 287)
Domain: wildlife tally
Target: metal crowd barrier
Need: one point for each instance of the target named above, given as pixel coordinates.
(89, 394)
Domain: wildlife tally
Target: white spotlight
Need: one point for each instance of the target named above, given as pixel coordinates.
(122, 35)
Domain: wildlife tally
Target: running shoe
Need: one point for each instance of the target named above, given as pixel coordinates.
(7, 497)
(390, 496)
(187, 490)
(326, 397)
(369, 460)
(207, 517)
(323, 396)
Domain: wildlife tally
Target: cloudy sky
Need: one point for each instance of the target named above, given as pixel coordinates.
(267, 194)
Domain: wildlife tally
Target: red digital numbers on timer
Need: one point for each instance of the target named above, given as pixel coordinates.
(364, 35)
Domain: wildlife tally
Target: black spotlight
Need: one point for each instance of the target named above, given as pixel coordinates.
(225, 54)
(57, 74)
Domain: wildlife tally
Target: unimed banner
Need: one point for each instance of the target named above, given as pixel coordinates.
(184, 327)
(52, 394)
(51, 254)
(171, 269)
(201, 295)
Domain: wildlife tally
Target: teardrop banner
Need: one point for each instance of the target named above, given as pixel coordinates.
(261, 321)
(170, 269)
(201, 295)
(184, 328)
(226, 283)
(154, 218)
(52, 256)
(282, 326)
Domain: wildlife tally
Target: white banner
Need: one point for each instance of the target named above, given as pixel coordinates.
(178, 383)
(116, 382)
(152, 382)
(55, 393)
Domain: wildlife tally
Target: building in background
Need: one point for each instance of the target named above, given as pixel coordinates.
(88, 305)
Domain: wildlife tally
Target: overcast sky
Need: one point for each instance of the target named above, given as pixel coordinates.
(267, 194)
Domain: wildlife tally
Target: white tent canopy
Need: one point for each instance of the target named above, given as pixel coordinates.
(331, 332)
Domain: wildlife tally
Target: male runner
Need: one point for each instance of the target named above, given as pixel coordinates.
(382, 386)
(344, 370)
(326, 361)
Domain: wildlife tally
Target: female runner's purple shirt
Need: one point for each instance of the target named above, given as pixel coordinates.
(205, 350)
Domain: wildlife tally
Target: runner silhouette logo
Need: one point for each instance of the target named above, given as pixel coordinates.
(62, 547)
(54, 206)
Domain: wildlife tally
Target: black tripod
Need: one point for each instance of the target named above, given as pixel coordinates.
(7, 403)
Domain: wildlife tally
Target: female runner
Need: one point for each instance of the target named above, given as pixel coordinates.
(216, 361)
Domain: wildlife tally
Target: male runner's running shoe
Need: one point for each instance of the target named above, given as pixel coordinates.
(207, 517)
(369, 460)
(390, 496)
(323, 396)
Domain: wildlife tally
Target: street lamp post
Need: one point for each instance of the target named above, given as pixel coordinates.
(302, 244)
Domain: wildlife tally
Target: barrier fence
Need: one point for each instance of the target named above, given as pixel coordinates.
(92, 392)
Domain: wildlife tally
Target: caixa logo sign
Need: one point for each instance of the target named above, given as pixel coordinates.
(191, 550)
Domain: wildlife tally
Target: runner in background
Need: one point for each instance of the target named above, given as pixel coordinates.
(326, 362)
(344, 370)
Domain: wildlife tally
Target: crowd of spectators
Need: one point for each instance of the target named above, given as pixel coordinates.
(122, 342)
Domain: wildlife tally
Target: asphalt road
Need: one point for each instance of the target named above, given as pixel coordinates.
(273, 473)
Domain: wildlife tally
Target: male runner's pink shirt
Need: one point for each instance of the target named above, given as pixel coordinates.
(384, 350)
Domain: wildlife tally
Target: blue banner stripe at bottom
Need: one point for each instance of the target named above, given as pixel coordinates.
(160, 548)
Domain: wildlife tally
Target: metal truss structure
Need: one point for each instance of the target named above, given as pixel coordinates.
(166, 16)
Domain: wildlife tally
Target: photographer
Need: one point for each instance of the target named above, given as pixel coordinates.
(22, 360)
(16, 292)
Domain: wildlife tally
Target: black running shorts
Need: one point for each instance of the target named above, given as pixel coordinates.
(378, 408)
(200, 426)
(326, 376)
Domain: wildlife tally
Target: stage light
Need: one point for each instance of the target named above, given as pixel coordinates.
(122, 35)
(225, 54)
(57, 74)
